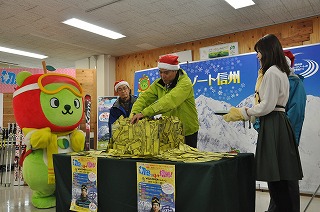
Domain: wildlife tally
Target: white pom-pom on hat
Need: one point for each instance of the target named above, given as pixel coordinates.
(117, 84)
(288, 61)
(288, 54)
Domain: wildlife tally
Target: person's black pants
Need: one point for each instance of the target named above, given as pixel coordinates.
(284, 196)
(192, 140)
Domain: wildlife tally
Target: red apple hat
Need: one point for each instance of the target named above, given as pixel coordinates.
(169, 62)
(117, 84)
(290, 56)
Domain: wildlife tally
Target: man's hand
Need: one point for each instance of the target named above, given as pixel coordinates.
(136, 118)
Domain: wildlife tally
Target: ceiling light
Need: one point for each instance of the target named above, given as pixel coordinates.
(93, 28)
(236, 4)
(23, 53)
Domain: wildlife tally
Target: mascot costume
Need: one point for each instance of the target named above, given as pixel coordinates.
(48, 107)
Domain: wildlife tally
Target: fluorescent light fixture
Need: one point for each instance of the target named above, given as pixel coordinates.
(236, 4)
(23, 53)
(93, 28)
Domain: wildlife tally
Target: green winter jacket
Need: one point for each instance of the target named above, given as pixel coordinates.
(178, 100)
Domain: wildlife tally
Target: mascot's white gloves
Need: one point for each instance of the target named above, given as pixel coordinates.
(236, 114)
(77, 138)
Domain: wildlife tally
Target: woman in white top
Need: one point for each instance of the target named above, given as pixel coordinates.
(277, 159)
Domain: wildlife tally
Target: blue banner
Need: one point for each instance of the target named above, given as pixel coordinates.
(228, 79)
(231, 79)
(306, 63)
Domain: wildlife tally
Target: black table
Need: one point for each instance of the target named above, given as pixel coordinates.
(224, 185)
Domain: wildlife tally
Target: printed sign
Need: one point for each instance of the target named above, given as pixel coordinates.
(84, 184)
(8, 76)
(155, 187)
(221, 50)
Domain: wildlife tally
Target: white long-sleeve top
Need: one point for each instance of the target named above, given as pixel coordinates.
(274, 90)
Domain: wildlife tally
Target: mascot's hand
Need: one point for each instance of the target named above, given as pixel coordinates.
(236, 114)
(39, 138)
(77, 140)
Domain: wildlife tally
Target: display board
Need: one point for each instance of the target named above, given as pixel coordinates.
(229, 81)
(104, 105)
(1, 110)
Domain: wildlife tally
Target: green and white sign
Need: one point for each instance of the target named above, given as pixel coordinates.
(221, 50)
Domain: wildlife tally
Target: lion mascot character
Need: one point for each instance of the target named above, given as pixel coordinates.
(48, 107)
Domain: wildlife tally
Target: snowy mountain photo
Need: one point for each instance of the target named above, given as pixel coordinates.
(216, 135)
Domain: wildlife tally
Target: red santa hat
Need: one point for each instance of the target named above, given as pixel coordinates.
(169, 62)
(289, 56)
(117, 84)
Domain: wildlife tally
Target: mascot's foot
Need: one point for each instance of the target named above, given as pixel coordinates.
(43, 202)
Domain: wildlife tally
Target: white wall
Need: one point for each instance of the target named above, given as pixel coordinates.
(105, 66)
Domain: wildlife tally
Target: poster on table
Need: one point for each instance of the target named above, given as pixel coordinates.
(222, 50)
(8, 76)
(104, 105)
(224, 82)
(155, 187)
(84, 183)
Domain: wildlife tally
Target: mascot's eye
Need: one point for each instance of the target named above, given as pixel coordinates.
(54, 102)
(76, 103)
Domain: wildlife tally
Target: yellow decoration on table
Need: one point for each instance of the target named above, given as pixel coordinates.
(160, 139)
(147, 137)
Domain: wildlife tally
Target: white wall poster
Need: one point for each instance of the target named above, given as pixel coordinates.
(222, 50)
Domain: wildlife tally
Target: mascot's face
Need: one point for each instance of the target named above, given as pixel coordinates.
(48, 100)
(63, 108)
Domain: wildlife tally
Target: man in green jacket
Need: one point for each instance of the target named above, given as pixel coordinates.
(170, 95)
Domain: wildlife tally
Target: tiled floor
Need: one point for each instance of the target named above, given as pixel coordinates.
(17, 199)
(262, 202)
